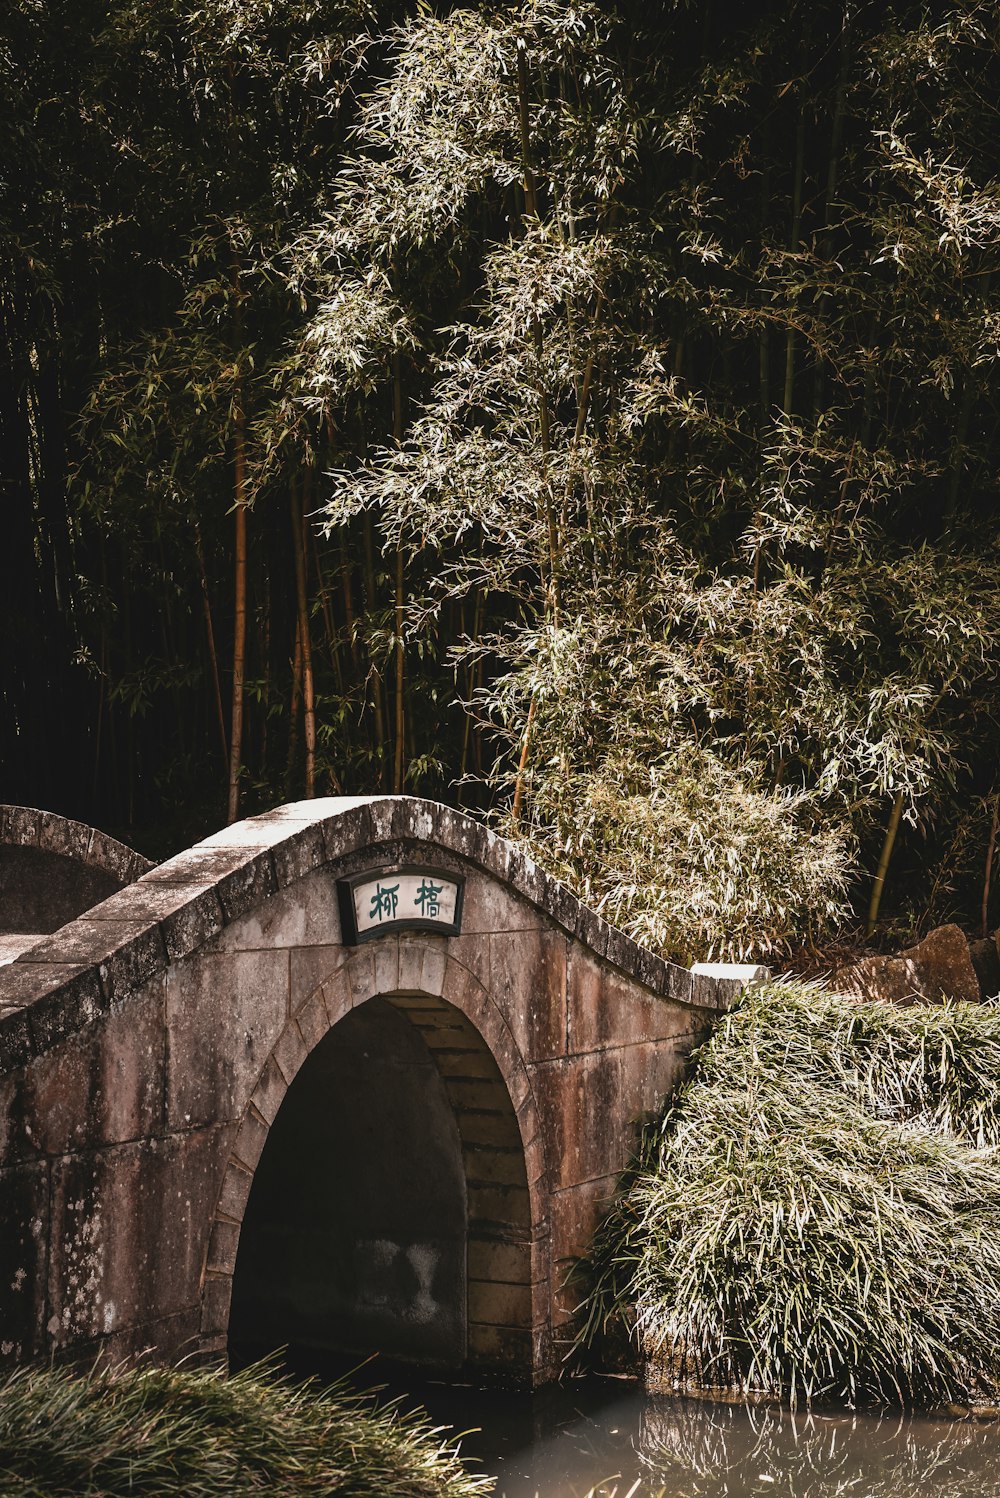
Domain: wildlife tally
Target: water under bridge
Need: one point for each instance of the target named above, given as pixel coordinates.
(351, 1074)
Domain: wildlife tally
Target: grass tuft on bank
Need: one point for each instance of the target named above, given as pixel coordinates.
(160, 1432)
(818, 1214)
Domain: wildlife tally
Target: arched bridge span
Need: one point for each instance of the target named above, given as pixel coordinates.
(254, 1098)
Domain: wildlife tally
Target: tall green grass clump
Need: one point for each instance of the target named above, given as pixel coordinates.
(818, 1214)
(163, 1433)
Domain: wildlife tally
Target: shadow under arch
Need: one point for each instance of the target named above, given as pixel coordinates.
(390, 1209)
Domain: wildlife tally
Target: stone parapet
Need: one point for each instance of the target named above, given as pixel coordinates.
(171, 909)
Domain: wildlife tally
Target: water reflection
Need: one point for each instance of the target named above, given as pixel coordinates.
(605, 1437)
(699, 1450)
(577, 1442)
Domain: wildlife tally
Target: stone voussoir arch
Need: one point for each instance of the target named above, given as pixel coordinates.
(417, 967)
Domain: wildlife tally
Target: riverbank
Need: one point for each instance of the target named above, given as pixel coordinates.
(817, 1217)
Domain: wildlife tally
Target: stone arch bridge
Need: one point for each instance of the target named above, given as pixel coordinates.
(351, 1074)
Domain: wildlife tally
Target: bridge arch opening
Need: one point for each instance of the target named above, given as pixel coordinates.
(390, 1210)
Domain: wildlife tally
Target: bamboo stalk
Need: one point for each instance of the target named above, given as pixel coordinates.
(297, 499)
(397, 766)
(883, 863)
(796, 229)
(515, 814)
(266, 665)
(544, 434)
(990, 850)
(206, 607)
(376, 675)
(239, 571)
(345, 583)
(294, 706)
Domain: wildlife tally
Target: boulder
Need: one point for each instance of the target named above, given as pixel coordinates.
(940, 967)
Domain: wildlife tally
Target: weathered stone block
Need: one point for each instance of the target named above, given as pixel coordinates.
(289, 1050)
(575, 1214)
(193, 923)
(235, 1193)
(310, 967)
(493, 1167)
(466, 1063)
(269, 1093)
(411, 964)
(488, 907)
(608, 1009)
(386, 954)
(500, 1347)
(592, 930)
(64, 836)
(471, 952)
(198, 865)
(188, 914)
(578, 1105)
(247, 886)
(163, 1340)
(434, 969)
(125, 952)
(621, 951)
(536, 1166)
(561, 906)
(21, 825)
(103, 1086)
(216, 1300)
(17, 1044)
(359, 974)
(301, 916)
(224, 1014)
(465, 991)
(24, 1238)
(130, 1229)
(529, 985)
(499, 1204)
(494, 1259)
(77, 1001)
(471, 1095)
(347, 829)
(313, 1020)
(494, 1303)
(337, 997)
(649, 1074)
(222, 1247)
(116, 859)
(499, 1128)
(250, 1140)
(461, 834)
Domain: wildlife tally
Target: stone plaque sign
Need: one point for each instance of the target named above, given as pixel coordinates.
(385, 900)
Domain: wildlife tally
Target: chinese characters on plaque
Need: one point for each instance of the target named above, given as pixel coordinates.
(428, 899)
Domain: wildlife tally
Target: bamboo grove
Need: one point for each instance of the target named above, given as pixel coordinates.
(586, 415)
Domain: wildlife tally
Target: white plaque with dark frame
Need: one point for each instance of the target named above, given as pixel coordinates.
(404, 899)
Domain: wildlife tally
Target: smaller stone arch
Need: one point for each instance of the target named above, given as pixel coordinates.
(508, 1301)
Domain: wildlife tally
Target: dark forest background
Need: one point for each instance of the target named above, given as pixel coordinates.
(584, 415)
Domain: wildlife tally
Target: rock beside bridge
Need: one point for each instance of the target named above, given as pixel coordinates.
(940, 967)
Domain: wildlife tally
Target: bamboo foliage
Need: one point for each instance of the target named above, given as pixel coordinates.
(673, 347)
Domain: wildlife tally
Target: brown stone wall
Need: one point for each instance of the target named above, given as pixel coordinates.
(144, 1058)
